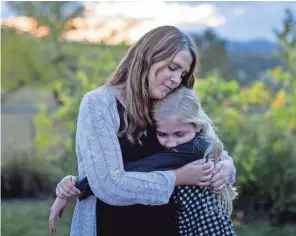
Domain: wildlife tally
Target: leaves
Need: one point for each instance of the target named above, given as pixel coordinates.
(279, 100)
(258, 127)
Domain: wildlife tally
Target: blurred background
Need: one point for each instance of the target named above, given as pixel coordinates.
(54, 52)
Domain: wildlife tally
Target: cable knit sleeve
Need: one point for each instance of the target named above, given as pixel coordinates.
(100, 157)
(232, 176)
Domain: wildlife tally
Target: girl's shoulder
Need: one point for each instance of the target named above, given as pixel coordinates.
(201, 143)
(201, 140)
(198, 145)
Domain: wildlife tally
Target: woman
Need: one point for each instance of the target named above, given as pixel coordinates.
(162, 60)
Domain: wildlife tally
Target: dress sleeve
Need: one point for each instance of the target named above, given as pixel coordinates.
(98, 146)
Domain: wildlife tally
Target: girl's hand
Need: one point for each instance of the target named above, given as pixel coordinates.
(196, 173)
(66, 187)
(56, 210)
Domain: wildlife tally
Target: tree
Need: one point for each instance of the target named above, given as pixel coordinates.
(57, 64)
(287, 41)
(22, 64)
(258, 127)
(213, 55)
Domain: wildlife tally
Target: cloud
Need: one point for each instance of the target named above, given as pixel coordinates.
(239, 11)
(147, 15)
(160, 12)
(258, 19)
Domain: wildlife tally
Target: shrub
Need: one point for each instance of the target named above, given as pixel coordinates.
(259, 134)
(25, 174)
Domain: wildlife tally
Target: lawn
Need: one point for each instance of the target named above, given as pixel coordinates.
(30, 218)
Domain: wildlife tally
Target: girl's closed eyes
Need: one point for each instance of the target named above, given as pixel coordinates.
(177, 134)
(173, 132)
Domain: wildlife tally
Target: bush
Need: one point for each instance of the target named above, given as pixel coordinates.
(259, 133)
(266, 167)
(24, 174)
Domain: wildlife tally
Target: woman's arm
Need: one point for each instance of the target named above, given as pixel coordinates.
(224, 173)
(98, 148)
(228, 162)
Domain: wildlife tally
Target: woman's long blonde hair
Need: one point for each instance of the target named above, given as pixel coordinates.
(157, 45)
(183, 104)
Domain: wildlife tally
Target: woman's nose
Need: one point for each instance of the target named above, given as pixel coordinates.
(176, 79)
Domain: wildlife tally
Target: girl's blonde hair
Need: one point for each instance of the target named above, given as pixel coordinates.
(183, 104)
(159, 44)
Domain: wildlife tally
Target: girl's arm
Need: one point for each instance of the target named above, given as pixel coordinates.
(172, 158)
(166, 160)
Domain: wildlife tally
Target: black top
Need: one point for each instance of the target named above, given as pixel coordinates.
(136, 220)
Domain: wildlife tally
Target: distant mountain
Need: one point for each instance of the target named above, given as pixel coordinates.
(252, 58)
(252, 46)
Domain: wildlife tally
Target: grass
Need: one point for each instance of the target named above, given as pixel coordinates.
(264, 229)
(30, 218)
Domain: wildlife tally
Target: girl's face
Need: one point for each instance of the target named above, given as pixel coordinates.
(173, 132)
(163, 78)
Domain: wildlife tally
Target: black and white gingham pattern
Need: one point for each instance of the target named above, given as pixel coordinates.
(197, 214)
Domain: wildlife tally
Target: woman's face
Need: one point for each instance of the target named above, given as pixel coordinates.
(164, 78)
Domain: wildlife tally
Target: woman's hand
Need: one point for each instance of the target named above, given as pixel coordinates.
(222, 172)
(56, 210)
(196, 173)
(66, 187)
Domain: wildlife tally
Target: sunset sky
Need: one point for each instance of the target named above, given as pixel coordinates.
(233, 20)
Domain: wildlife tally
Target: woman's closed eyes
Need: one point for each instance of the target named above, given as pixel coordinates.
(174, 67)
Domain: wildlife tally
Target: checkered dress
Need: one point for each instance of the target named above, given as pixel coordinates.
(196, 214)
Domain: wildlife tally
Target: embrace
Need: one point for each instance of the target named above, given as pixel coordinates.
(149, 160)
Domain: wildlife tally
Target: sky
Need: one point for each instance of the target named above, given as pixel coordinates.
(234, 20)
(241, 21)
(247, 20)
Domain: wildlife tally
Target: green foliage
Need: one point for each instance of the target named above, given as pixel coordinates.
(23, 63)
(46, 138)
(213, 55)
(90, 74)
(287, 40)
(261, 142)
(37, 62)
(258, 127)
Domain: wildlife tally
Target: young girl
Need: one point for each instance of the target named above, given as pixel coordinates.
(188, 134)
